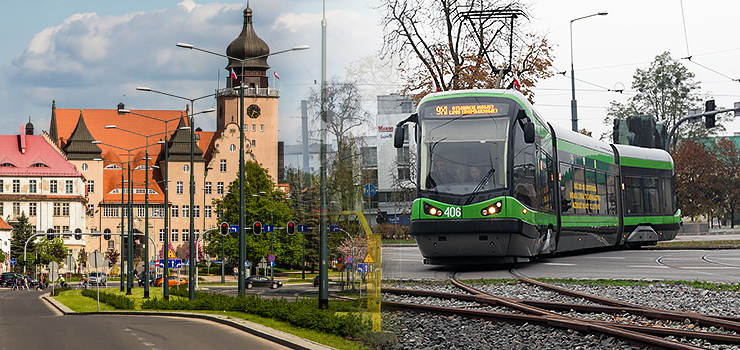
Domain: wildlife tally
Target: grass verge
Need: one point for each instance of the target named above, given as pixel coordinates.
(735, 244)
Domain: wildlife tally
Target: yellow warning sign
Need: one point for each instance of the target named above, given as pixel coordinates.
(368, 259)
(170, 254)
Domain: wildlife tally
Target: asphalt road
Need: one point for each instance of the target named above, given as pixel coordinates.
(693, 265)
(28, 322)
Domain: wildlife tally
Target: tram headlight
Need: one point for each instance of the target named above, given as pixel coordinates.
(492, 209)
(432, 210)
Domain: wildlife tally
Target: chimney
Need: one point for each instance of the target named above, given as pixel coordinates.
(120, 107)
(22, 137)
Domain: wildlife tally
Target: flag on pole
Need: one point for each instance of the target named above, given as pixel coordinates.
(233, 75)
(516, 84)
(276, 75)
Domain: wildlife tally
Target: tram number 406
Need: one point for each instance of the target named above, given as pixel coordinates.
(453, 212)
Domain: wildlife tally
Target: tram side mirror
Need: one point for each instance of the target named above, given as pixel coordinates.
(398, 136)
(529, 132)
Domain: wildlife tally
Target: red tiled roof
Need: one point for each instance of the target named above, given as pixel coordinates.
(4, 225)
(37, 151)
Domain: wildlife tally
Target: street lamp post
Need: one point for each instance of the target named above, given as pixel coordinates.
(121, 234)
(242, 230)
(191, 239)
(166, 184)
(130, 255)
(573, 104)
(146, 200)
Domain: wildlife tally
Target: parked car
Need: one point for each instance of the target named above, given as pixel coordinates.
(172, 281)
(262, 281)
(97, 278)
(6, 279)
(152, 278)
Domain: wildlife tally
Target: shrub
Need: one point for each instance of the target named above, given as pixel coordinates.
(303, 313)
(115, 300)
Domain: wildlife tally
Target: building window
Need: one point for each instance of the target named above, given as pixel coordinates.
(66, 229)
(68, 186)
(208, 211)
(2, 187)
(90, 186)
(84, 166)
(254, 143)
(161, 235)
(178, 190)
(185, 235)
(232, 147)
(254, 127)
(57, 229)
(185, 168)
(207, 189)
(110, 211)
(220, 188)
(16, 209)
(16, 186)
(140, 211)
(222, 165)
(2, 212)
(197, 235)
(57, 209)
(125, 211)
(65, 209)
(196, 211)
(175, 211)
(175, 236)
(262, 127)
(186, 211)
(32, 187)
(31, 209)
(158, 212)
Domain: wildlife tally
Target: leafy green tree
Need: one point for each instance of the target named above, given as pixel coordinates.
(728, 157)
(666, 91)
(697, 183)
(112, 256)
(305, 202)
(264, 203)
(2, 256)
(51, 250)
(22, 231)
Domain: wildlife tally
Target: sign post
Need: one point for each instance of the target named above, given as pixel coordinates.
(97, 260)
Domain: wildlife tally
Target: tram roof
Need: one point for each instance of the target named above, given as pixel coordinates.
(478, 92)
(644, 157)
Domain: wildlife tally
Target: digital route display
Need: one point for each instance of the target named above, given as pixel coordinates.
(453, 110)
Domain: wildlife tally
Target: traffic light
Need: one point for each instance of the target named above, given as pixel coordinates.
(291, 227)
(257, 227)
(78, 236)
(708, 107)
(224, 228)
(106, 236)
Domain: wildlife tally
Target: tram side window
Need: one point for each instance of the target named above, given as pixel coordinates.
(590, 197)
(601, 195)
(524, 170)
(545, 181)
(611, 193)
(579, 188)
(566, 188)
(633, 195)
(667, 191)
(652, 200)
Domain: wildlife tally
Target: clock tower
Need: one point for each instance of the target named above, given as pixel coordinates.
(249, 72)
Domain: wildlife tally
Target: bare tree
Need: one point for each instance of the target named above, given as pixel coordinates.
(461, 44)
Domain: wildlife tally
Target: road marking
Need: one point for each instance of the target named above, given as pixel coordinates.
(648, 267)
(610, 257)
(706, 267)
(559, 264)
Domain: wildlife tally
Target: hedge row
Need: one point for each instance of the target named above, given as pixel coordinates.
(303, 313)
(117, 301)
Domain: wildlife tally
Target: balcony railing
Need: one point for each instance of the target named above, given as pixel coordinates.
(251, 92)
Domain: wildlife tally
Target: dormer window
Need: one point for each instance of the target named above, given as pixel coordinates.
(7, 165)
(39, 165)
(112, 166)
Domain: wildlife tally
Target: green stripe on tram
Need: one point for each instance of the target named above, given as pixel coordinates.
(645, 163)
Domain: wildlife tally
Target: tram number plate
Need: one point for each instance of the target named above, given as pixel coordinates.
(453, 212)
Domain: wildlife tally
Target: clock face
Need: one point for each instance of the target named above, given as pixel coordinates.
(253, 111)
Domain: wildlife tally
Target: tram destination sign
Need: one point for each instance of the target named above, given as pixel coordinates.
(473, 109)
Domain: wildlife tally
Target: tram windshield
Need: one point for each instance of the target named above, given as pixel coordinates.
(463, 144)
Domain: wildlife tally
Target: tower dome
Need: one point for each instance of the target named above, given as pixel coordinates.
(247, 45)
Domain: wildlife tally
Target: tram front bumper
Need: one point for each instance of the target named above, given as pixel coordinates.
(472, 241)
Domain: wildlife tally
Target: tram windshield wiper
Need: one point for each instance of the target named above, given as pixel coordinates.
(481, 184)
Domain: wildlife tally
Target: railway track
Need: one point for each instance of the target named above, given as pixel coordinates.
(647, 326)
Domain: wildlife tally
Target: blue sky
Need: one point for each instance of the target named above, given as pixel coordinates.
(93, 54)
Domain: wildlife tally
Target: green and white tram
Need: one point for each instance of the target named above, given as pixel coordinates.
(495, 180)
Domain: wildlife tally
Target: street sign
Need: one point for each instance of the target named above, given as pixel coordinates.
(271, 257)
(369, 190)
(54, 268)
(96, 259)
(349, 259)
(362, 268)
(302, 228)
(234, 228)
(175, 263)
(170, 254)
(12, 261)
(69, 263)
(269, 228)
(246, 264)
(333, 228)
(272, 264)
